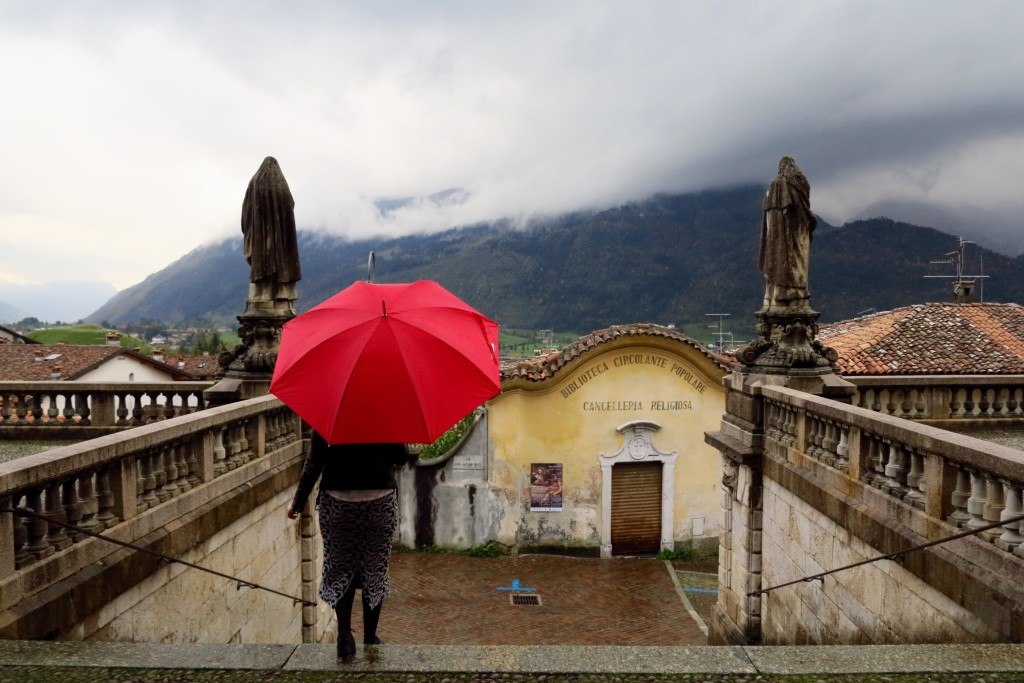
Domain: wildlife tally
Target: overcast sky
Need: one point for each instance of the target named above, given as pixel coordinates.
(131, 129)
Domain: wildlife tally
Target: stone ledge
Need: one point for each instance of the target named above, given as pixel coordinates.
(743, 660)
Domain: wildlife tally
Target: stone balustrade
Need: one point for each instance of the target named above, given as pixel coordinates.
(97, 484)
(941, 397)
(96, 404)
(963, 481)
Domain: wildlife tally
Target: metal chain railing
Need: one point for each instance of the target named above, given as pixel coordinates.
(891, 556)
(239, 583)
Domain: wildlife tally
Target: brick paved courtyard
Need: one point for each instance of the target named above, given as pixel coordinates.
(454, 600)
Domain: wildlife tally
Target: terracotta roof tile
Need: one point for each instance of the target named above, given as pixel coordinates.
(18, 361)
(931, 339)
(540, 369)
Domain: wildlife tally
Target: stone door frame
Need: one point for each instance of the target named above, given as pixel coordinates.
(638, 446)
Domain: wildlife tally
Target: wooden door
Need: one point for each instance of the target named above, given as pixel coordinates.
(636, 508)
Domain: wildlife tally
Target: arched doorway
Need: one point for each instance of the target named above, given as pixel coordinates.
(638, 492)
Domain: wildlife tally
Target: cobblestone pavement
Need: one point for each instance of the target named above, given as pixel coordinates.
(454, 600)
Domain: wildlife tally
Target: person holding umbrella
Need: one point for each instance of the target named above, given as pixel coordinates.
(358, 515)
(372, 368)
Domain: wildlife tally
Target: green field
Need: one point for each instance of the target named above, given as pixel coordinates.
(85, 334)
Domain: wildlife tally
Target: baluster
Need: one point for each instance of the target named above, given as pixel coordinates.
(896, 472)
(21, 408)
(877, 398)
(231, 447)
(105, 498)
(122, 410)
(156, 459)
(960, 496)
(890, 405)
(905, 403)
(993, 509)
(55, 535)
(37, 544)
(138, 410)
(976, 503)
(148, 487)
(219, 464)
(915, 481)
(192, 462)
(829, 443)
(34, 405)
(51, 406)
(181, 462)
(88, 502)
(1011, 537)
(83, 409)
(814, 437)
(72, 508)
(920, 404)
(245, 453)
(171, 470)
(68, 412)
(273, 431)
(984, 404)
(1011, 402)
(843, 449)
(5, 408)
(863, 400)
(22, 557)
(997, 402)
(969, 403)
(955, 403)
(168, 405)
(879, 479)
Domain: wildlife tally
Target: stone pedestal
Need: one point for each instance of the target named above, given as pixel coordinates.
(250, 366)
(785, 354)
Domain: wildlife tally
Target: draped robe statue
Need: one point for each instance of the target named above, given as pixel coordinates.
(268, 227)
(786, 230)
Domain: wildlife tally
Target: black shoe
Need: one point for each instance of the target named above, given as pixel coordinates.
(373, 641)
(346, 646)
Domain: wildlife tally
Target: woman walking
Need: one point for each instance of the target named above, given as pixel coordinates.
(358, 508)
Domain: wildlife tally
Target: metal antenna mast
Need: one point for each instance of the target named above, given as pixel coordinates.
(720, 335)
(962, 284)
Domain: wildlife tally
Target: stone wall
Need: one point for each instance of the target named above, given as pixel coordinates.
(878, 603)
(177, 604)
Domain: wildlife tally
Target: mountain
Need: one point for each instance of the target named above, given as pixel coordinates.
(10, 313)
(671, 258)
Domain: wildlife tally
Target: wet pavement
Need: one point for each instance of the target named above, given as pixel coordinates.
(457, 600)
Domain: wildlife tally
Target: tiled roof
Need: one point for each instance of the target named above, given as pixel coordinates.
(540, 369)
(931, 339)
(18, 361)
(200, 367)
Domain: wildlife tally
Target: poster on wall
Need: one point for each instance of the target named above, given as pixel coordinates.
(546, 487)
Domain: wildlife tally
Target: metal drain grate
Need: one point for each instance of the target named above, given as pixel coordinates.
(531, 599)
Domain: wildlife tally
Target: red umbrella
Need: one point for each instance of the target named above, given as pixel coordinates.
(387, 363)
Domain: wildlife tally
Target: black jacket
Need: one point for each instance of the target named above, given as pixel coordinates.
(349, 467)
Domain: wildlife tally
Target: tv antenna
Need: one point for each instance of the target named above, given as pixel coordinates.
(962, 284)
(720, 335)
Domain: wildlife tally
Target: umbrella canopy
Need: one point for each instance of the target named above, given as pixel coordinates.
(387, 363)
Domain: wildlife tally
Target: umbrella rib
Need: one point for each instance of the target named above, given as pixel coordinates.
(455, 349)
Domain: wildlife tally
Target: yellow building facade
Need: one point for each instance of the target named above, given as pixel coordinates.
(602, 445)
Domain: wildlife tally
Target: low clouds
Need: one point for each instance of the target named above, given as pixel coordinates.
(132, 130)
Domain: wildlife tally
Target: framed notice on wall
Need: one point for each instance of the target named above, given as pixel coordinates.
(546, 487)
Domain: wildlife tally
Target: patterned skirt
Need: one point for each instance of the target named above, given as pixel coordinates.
(357, 546)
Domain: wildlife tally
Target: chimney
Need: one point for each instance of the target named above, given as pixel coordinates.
(55, 372)
(39, 356)
(113, 338)
(158, 355)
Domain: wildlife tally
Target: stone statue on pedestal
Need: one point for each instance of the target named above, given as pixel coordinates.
(270, 246)
(786, 229)
(786, 324)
